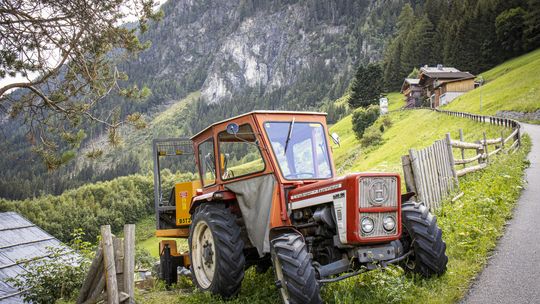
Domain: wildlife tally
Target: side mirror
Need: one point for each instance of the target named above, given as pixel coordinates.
(232, 128)
(335, 138)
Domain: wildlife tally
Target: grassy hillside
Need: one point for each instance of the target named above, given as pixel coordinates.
(513, 85)
(410, 129)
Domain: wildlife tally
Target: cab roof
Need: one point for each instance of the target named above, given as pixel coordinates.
(258, 112)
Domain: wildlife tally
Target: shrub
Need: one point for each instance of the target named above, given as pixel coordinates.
(56, 277)
(363, 118)
(372, 137)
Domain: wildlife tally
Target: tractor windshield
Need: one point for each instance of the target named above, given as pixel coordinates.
(300, 149)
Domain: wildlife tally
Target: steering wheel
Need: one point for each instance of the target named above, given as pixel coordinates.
(299, 173)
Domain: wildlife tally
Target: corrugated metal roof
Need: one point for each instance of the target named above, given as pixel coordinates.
(412, 80)
(20, 241)
(448, 75)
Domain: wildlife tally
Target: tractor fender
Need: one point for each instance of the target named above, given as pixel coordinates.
(407, 196)
(212, 197)
(274, 232)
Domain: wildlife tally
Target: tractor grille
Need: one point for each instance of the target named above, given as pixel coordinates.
(378, 192)
(378, 229)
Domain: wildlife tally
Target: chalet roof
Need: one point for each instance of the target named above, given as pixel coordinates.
(20, 241)
(409, 81)
(447, 75)
(427, 69)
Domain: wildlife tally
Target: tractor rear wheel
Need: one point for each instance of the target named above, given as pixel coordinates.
(295, 275)
(422, 235)
(216, 250)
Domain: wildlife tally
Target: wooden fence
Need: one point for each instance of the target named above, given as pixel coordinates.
(432, 172)
(111, 274)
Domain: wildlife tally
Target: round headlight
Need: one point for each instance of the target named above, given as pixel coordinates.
(389, 223)
(367, 225)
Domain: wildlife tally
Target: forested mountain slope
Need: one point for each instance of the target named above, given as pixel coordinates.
(240, 54)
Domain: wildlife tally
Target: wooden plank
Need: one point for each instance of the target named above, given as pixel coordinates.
(491, 141)
(416, 174)
(448, 170)
(91, 276)
(468, 160)
(495, 151)
(443, 175)
(451, 159)
(129, 262)
(471, 169)
(432, 177)
(408, 173)
(486, 153)
(465, 145)
(110, 269)
(514, 145)
(96, 293)
(118, 245)
(426, 178)
(462, 139)
(511, 136)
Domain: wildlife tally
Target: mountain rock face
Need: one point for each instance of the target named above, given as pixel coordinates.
(234, 56)
(227, 48)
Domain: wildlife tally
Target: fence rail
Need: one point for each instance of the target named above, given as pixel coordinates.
(431, 172)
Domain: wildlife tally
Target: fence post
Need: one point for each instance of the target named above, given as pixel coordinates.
(461, 138)
(486, 148)
(502, 140)
(129, 262)
(408, 174)
(110, 269)
(451, 158)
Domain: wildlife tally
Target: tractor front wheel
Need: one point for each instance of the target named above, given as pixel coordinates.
(295, 276)
(216, 250)
(422, 235)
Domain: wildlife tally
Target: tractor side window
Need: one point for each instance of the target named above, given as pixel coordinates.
(239, 153)
(207, 162)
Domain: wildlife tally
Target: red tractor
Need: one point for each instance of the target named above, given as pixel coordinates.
(269, 195)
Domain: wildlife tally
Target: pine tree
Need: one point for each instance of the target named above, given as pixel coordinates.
(510, 25)
(532, 24)
(367, 86)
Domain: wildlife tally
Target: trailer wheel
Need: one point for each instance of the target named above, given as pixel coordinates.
(422, 234)
(216, 250)
(295, 276)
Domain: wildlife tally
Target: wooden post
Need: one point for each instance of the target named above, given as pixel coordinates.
(486, 153)
(461, 138)
(118, 246)
(502, 140)
(420, 194)
(129, 262)
(408, 175)
(518, 136)
(110, 270)
(451, 158)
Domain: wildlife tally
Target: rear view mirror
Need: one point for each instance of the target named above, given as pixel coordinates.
(232, 128)
(335, 138)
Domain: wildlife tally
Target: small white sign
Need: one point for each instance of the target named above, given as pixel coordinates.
(383, 105)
